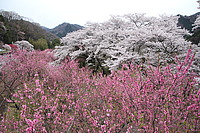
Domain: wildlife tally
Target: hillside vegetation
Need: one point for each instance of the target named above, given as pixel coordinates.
(14, 27)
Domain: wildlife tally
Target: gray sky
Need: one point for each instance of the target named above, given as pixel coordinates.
(51, 13)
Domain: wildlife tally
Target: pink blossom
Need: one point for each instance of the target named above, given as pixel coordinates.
(108, 114)
(44, 98)
(31, 123)
(24, 107)
(8, 100)
(38, 89)
(30, 130)
(93, 112)
(149, 99)
(37, 82)
(103, 127)
(191, 106)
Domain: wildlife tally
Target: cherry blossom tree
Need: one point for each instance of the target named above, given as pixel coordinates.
(197, 21)
(196, 48)
(24, 45)
(131, 37)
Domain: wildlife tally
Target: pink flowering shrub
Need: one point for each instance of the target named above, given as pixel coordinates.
(66, 98)
(21, 66)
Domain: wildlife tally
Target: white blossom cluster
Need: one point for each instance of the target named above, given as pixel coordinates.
(196, 23)
(7, 47)
(126, 38)
(24, 45)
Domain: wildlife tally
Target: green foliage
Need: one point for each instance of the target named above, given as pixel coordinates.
(39, 44)
(43, 44)
(55, 42)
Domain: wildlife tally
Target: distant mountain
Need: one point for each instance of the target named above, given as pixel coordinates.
(13, 28)
(187, 21)
(45, 28)
(64, 28)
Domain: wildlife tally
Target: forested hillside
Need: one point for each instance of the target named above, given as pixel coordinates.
(18, 29)
(187, 21)
(14, 27)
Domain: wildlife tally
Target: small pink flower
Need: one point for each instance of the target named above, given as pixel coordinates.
(8, 100)
(108, 114)
(23, 115)
(53, 108)
(30, 130)
(30, 97)
(15, 95)
(95, 123)
(103, 127)
(48, 115)
(24, 107)
(25, 86)
(37, 116)
(31, 123)
(191, 106)
(108, 110)
(37, 82)
(38, 89)
(110, 98)
(64, 106)
(44, 130)
(44, 98)
(93, 112)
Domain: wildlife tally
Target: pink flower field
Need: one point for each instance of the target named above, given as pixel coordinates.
(40, 97)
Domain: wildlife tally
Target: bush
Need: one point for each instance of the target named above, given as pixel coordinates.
(66, 98)
(40, 44)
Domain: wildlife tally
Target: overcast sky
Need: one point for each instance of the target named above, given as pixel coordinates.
(51, 13)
